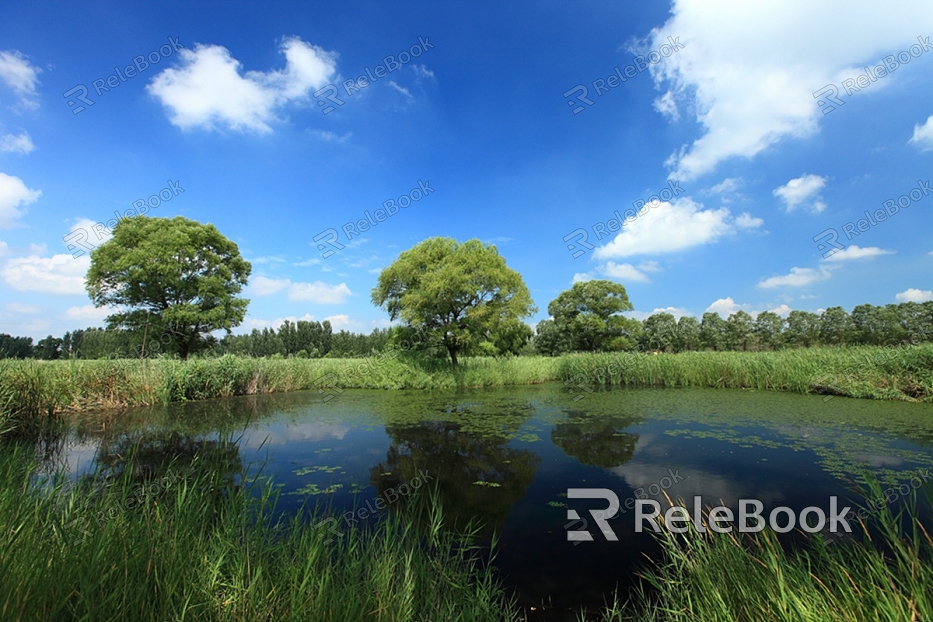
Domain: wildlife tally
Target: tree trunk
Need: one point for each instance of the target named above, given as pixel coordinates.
(452, 350)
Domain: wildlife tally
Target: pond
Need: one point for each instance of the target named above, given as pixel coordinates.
(507, 457)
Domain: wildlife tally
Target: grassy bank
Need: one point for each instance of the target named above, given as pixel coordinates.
(33, 391)
(192, 548)
(896, 373)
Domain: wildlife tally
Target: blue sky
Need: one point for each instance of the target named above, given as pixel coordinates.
(477, 108)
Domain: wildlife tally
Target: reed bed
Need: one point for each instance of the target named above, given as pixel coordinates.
(736, 577)
(32, 393)
(200, 549)
(861, 372)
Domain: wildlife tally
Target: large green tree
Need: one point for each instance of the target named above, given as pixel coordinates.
(176, 278)
(769, 327)
(659, 332)
(589, 313)
(459, 296)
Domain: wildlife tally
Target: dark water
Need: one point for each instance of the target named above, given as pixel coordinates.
(507, 457)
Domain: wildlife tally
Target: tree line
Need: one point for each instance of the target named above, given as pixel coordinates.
(177, 284)
(576, 326)
(301, 339)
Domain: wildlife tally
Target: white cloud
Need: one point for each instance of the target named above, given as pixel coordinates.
(422, 71)
(750, 69)
(338, 321)
(670, 227)
(264, 286)
(667, 106)
(16, 307)
(914, 295)
(923, 135)
(856, 252)
(728, 185)
(400, 89)
(582, 277)
(800, 191)
(19, 75)
(725, 307)
(623, 272)
(58, 274)
(16, 144)
(90, 313)
(797, 278)
(649, 266)
(782, 310)
(208, 87)
(13, 193)
(319, 293)
(331, 137)
(747, 221)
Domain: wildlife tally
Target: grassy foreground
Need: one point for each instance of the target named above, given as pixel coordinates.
(738, 577)
(193, 548)
(189, 547)
(31, 392)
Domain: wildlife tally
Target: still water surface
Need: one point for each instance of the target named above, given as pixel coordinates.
(507, 457)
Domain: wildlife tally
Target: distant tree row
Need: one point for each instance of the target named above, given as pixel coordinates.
(293, 339)
(587, 318)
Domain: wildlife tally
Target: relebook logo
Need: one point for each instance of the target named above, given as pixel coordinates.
(720, 519)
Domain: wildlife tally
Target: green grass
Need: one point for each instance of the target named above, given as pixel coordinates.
(750, 577)
(34, 392)
(197, 549)
(861, 372)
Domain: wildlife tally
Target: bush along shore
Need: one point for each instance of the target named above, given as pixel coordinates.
(34, 392)
(194, 547)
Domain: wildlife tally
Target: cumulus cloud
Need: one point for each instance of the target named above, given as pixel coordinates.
(264, 286)
(749, 70)
(747, 221)
(914, 295)
(58, 274)
(802, 191)
(725, 307)
(209, 88)
(341, 320)
(798, 277)
(20, 143)
(783, 310)
(623, 272)
(18, 74)
(857, 252)
(726, 186)
(668, 228)
(13, 194)
(317, 292)
(923, 135)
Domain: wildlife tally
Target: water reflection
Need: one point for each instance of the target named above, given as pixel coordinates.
(599, 442)
(479, 476)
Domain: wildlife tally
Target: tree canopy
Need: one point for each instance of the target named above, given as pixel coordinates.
(587, 318)
(179, 276)
(460, 296)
